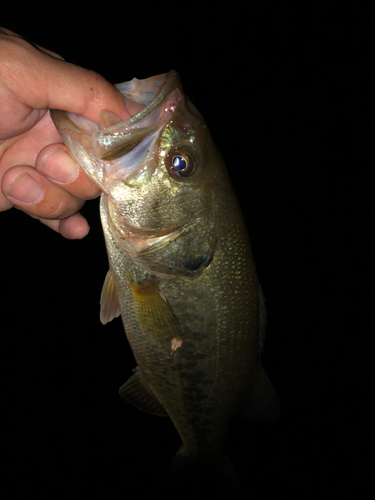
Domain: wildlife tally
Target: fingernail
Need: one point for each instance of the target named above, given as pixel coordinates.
(26, 189)
(60, 167)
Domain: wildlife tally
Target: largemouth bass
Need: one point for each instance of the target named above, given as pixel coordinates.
(181, 270)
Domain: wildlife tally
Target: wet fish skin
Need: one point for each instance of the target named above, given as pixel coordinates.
(182, 272)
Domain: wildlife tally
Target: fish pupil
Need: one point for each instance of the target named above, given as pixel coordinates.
(179, 163)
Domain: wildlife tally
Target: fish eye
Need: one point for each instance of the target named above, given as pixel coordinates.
(181, 163)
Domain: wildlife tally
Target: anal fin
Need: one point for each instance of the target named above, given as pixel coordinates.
(135, 392)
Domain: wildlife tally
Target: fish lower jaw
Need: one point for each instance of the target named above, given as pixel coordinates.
(134, 244)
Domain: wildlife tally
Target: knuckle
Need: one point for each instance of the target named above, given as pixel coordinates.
(61, 208)
(97, 91)
(13, 49)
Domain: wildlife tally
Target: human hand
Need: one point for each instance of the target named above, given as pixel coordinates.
(37, 173)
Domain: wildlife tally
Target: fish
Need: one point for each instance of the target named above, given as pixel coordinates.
(181, 269)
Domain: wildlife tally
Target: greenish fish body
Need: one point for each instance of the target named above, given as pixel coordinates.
(182, 274)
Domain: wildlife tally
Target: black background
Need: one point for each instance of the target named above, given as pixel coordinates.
(288, 95)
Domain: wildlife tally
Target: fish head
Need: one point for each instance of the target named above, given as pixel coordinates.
(157, 171)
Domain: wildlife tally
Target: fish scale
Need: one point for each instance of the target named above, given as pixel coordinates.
(200, 376)
(181, 272)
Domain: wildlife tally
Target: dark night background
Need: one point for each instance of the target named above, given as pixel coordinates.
(288, 96)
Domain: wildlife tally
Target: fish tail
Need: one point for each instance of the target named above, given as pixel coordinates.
(206, 478)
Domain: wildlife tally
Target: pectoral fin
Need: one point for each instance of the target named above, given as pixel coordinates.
(109, 304)
(155, 315)
(135, 392)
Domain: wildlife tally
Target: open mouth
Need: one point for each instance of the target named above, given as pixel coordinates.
(159, 94)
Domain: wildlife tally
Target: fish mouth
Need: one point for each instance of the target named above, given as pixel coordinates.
(159, 94)
(117, 149)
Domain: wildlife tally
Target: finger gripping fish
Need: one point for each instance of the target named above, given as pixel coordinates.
(181, 271)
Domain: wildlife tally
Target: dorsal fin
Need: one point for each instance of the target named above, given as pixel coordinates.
(109, 304)
(262, 404)
(262, 318)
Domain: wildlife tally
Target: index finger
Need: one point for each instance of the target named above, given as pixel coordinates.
(41, 81)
